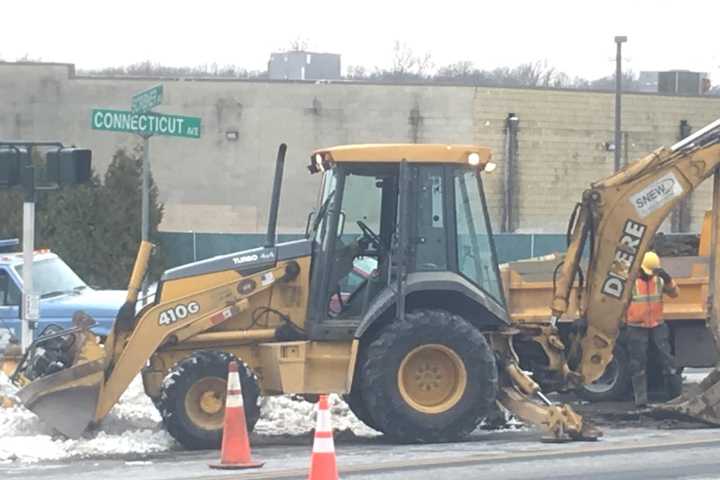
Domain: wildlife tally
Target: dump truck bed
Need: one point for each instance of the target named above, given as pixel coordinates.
(528, 286)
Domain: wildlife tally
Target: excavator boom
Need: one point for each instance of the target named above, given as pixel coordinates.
(616, 222)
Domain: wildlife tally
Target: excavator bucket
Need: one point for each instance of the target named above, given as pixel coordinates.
(700, 403)
(66, 400)
(62, 375)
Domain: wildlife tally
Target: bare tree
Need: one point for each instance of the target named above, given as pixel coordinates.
(299, 44)
(406, 63)
(356, 72)
(150, 69)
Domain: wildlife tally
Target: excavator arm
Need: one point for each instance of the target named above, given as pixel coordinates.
(616, 222)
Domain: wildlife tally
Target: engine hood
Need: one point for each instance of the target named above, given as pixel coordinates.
(96, 303)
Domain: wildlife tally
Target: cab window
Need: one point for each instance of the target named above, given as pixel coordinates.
(9, 292)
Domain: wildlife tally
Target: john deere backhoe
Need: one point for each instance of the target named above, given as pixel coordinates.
(420, 346)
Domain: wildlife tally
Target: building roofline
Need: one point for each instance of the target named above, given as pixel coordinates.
(73, 75)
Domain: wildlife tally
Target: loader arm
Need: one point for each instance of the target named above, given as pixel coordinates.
(76, 397)
(616, 221)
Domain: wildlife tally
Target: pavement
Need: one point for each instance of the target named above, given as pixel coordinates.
(623, 453)
(634, 446)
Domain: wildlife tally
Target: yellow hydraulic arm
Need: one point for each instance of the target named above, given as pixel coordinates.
(616, 221)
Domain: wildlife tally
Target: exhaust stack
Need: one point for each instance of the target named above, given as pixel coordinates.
(275, 199)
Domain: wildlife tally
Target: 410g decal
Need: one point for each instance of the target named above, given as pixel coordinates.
(178, 312)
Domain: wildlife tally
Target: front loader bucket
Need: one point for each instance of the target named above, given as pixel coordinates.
(66, 400)
(701, 403)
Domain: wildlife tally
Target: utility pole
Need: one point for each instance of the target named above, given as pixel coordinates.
(619, 40)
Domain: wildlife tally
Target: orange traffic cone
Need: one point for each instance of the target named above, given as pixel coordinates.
(235, 453)
(322, 463)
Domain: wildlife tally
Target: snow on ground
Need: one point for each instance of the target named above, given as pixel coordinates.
(133, 428)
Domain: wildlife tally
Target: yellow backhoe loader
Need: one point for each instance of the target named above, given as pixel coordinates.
(615, 223)
(421, 346)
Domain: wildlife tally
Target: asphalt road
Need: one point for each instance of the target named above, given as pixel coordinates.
(630, 453)
(634, 447)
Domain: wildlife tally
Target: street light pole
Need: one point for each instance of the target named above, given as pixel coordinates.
(619, 40)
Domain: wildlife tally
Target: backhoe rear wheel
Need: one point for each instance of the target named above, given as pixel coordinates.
(614, 384)
(430, 378)
(192, 399)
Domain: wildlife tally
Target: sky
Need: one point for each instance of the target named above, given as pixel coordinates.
(575, 37)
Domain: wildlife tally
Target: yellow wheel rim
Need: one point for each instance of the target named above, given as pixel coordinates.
(205, 402)
(432, 378)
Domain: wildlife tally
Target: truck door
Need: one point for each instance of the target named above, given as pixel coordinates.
(9, 308)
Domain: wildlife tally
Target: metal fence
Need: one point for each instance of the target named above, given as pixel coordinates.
(181, 248)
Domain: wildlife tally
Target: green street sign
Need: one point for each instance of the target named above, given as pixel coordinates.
(147, 99)
(145, 123)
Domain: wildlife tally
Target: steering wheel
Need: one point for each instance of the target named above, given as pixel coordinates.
(372, 236)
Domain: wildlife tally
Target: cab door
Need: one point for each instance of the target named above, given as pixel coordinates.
(351, 257)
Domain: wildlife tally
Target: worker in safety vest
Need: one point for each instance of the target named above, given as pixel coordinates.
(645, 324)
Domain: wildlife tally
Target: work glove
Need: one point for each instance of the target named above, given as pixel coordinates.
(664, 275)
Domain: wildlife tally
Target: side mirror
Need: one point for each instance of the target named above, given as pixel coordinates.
(69, 166)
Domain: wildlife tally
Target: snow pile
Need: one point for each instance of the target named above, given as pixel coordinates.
(288, 415)
(134, 428)
(7, 389)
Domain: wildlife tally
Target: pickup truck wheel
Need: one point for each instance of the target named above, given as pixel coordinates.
(430, 378)
(192, 399)
(614, 384)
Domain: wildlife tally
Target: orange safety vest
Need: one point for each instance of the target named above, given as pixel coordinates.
(646, 306)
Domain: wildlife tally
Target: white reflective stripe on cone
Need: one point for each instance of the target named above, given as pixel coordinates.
(234, 400)
(234, 381)
(323, 445)
(323, 421)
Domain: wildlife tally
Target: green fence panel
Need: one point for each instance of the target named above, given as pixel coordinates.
(181, 248)
(177, 248)
(512, 246)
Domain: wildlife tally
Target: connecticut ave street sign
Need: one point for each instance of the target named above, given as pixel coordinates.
(145, 123)
(146, 100)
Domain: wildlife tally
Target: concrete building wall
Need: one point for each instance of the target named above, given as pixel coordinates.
(217, 184)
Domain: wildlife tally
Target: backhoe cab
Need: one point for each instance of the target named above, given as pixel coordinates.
(393, 299)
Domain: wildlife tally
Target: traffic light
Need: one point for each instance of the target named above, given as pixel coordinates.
(69, 166)
(11, 160)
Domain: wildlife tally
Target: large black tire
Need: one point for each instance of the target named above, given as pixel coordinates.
(357, 406)
(409, 353)
(614, 383)
(203, 371)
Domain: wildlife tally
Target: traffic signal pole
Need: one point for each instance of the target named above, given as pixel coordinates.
(79, 170)
(30, 307)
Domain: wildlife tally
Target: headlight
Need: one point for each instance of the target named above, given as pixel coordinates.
(318, 161)
(474, 159)
(490, 166)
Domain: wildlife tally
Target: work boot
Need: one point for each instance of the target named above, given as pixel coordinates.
(639, 383)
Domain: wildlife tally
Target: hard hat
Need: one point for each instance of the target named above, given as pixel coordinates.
(650, 262)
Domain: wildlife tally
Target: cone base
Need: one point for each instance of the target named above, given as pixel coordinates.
(236, 466)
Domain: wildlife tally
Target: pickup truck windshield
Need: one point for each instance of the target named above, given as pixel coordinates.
(53, 277)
